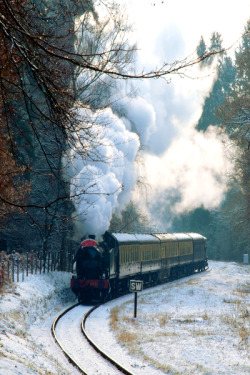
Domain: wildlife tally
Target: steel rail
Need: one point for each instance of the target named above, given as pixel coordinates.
(122, 369)
(53, 331)
(96, 348)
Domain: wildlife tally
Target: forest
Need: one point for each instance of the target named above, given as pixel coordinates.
(62, 64)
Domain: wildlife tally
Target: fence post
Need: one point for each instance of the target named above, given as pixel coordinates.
(2, 271)
(52, 260)
(13, 269)
(32, 261)
(17, 270)
(22, 268)
(40, 259)
(44, 263)
(27, 264)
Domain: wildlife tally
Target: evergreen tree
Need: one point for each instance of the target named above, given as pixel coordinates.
(201, 50)
(226, 73)
(234, 114)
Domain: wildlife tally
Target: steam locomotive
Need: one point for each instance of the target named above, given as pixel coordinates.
(104, 269)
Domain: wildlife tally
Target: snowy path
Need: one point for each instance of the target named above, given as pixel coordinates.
(68, 331)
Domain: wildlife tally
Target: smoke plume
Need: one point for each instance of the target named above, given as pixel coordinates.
(102, 169)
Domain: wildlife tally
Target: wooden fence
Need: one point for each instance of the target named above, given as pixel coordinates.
(16, 266)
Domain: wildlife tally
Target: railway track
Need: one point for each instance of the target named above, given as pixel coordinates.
(91, 359)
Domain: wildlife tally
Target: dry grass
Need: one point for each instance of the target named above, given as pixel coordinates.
(191, 282)
(167, 369)
(7, 286)
(166, 334)
(114, 317)
(244, 335)
(238, 322)
(188, 319)
(127, 337)
(243, 292)
(229, 320)
(163, 319)
(228, 300)
(202, 332)
(206, 317)
(15, 315)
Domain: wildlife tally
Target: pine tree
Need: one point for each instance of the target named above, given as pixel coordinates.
(234, 114)
(201, 50)
(222, 85)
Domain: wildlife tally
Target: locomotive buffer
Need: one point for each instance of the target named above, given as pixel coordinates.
(134, 287)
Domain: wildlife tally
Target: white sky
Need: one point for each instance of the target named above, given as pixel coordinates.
(187, 19)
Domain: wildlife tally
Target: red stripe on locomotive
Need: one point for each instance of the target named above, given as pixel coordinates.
(96, 284)
(88, 242)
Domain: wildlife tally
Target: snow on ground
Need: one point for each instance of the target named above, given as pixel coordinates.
(197, 325)
(27, 311)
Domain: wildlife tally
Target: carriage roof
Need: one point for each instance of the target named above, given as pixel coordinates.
(155, 237)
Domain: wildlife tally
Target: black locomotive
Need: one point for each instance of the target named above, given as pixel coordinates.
(104, 269)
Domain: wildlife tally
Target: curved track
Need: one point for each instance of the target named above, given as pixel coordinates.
(68, 329)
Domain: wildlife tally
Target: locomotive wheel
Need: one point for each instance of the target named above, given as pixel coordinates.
(155, 280)
(80, 298)
(101, 296)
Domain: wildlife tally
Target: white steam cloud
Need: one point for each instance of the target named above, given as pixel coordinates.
(141, 115)
(195, 166)
(101, 180)
(183, 169)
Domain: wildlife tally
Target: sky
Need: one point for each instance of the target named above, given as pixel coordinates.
(176, 158)
(188, 20)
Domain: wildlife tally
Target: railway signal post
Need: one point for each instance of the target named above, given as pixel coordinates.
(134, 287)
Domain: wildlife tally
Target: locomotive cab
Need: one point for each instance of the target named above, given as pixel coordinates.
(92, 271)
(89, 262)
